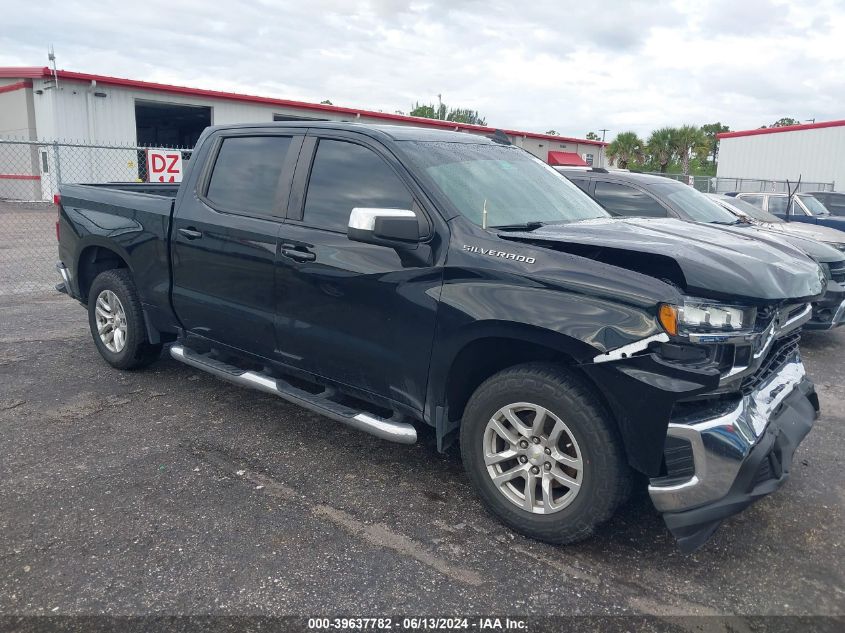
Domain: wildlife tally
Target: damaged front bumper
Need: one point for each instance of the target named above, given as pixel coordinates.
(829, 312)
(722, 457)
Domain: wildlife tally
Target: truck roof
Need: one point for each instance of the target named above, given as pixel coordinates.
(621, 176)
(393, 132)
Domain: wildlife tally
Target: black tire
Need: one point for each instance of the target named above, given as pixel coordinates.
(606, 476)
(137, 351)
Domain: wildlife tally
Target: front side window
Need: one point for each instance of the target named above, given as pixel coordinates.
(626, 201)
(777, 205)
(344, 176)
(246, 174)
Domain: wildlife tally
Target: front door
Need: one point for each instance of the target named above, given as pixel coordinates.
(358, 314)
(225, 237)
(777, 205)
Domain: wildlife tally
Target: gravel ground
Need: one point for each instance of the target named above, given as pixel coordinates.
(168, 491)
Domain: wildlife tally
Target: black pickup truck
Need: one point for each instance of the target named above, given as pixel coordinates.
(388, 277)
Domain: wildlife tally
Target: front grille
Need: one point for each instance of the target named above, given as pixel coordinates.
(837, 271)
(781, 352)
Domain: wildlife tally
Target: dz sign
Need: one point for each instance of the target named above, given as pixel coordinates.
(164, 165)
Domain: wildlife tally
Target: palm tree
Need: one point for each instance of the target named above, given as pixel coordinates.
(627, 147)
(688, 140)
(660, 147)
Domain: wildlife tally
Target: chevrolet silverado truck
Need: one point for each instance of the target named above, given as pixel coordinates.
(390, 277)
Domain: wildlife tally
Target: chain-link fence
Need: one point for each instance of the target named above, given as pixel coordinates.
(30, 175)
(721, 184)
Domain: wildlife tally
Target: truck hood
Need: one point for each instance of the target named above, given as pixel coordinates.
(703, 260)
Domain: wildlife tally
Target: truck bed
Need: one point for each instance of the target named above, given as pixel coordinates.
(167, 190)
(131, 219)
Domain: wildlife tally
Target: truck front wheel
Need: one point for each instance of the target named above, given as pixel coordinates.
(543, 453)
(117, 321)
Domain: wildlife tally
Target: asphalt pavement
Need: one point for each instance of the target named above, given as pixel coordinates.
(167, 491)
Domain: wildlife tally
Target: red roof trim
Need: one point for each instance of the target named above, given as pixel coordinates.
(233, 96)
(24, 72)
(19, 177)
(27, 83)
(785, 128)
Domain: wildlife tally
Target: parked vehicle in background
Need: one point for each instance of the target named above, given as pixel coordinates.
(804, 208)
(755, 215)
(646, 195)
(833, 201)
(822, 243)
(387, 276)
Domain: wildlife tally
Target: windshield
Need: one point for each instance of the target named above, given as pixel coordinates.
(813, 205)
(695, 204)
(750, 210)
(511, 184)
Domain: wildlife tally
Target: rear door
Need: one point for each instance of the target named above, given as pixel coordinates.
(359, 314)
(225, 237)
(777, 205)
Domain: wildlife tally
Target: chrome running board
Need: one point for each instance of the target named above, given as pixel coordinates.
(389, 429)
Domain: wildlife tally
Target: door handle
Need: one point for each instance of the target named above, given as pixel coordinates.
(191, 234)
(288, 250)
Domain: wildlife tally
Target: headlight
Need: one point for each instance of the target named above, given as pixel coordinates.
(706, 317)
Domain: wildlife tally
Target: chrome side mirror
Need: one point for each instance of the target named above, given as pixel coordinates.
(386, 227)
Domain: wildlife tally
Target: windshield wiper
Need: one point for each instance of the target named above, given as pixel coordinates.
(525, 226)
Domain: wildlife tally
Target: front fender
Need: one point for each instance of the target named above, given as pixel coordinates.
(641, 392)
(476, 305)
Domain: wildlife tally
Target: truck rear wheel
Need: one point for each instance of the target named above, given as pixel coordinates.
(543, 453)
(117, 321)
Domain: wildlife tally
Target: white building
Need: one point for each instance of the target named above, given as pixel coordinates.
(38, 105)
(815, 152)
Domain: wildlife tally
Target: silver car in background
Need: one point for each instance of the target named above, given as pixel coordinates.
(830, 311)
(755, 215)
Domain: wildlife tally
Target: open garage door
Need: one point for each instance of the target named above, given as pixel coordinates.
(169, 124)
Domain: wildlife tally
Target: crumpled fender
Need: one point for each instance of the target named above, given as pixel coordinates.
(641, 391)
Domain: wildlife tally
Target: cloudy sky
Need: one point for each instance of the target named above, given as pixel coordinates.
(568, 66)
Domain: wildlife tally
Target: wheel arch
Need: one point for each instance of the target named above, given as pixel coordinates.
(486, 349)
(94, 258)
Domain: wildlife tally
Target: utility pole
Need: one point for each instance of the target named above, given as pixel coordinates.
(601, 149)
(439, 106)
(810, 120)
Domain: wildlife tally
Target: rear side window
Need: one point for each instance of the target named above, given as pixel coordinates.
(345, 176)
(756, 200)
(777, 204)
(627, 201)
(246, 174)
